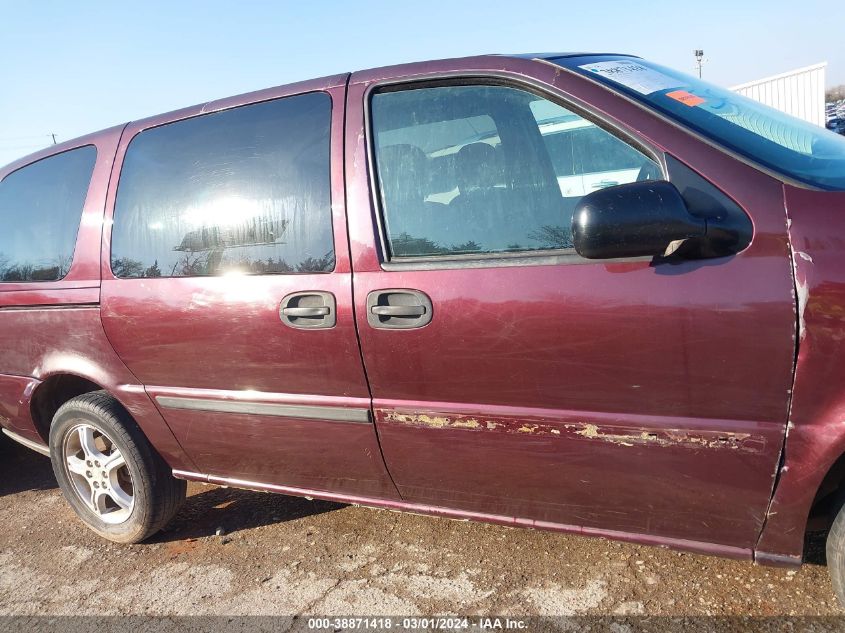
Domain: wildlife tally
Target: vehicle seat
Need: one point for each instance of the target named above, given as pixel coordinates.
(478, 169)
(405, 180)
(480, 210)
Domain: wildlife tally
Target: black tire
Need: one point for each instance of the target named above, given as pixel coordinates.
(156, 494)
(835, 553)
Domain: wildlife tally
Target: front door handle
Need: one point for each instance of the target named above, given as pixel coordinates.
(310, 310)
(398, 309)
(404, 311)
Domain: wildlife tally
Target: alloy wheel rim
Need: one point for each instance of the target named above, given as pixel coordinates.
(99, 473)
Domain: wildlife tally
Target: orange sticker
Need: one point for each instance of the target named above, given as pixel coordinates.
(687, 98)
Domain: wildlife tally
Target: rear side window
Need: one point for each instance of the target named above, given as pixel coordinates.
(245, 190)
(40, 208)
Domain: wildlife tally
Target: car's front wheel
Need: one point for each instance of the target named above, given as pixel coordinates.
(835, 552)
(111, 476)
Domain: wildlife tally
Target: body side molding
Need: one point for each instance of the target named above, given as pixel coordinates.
(307, 412)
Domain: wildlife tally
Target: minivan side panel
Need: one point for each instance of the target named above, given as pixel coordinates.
(248, 397)
(50, 329)
(15, 395)
(618, 396)
(69, 340)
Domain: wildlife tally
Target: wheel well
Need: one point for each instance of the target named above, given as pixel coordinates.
(53, 393)
(828, 498)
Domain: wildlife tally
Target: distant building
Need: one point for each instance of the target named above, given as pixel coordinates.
(797, 92)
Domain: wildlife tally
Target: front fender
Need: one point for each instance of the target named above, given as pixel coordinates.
(816, 432)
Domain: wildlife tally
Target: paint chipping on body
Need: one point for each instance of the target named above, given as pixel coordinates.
(592, 431)
(803, 296)
(419, 419)
(444, 421)
(672, 437)
(612, 435)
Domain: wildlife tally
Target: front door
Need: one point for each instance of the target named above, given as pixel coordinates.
(227, 289)
(512, 378)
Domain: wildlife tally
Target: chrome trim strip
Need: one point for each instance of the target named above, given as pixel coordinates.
(38, 448)
(50, 306)
(189, 475)
(303, 411)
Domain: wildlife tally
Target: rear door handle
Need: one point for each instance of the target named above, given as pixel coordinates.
(310, 310)
(398, 309)
(306, 312)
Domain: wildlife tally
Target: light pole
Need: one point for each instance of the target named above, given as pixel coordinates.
(699, 56)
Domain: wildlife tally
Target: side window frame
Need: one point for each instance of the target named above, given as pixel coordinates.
(80, 216)
(332, 87)
(85, 267)
(498, 259)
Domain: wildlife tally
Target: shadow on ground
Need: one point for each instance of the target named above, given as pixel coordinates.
(232, 510)
(208, 509)
(23, 469)
(229, 510)
(814, 548)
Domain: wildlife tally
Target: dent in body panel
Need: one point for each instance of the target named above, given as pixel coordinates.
(555, 465)
(815, 436)
(658, 435)
(15, 395)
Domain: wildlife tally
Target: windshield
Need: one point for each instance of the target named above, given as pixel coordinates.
(782, 143)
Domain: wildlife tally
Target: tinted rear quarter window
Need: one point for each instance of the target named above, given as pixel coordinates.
(245, 190)
(40, 209)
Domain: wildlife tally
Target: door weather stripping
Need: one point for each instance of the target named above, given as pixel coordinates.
(303, 411)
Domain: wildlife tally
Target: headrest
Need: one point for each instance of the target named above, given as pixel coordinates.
(477, 166)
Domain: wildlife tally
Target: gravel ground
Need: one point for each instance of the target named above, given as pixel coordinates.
(283, 556)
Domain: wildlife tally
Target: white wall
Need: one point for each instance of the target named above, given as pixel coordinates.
(797, 92)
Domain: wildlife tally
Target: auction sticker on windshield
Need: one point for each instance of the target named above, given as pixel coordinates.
(632, 75)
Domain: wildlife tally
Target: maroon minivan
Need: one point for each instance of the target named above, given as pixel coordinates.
(573, 292)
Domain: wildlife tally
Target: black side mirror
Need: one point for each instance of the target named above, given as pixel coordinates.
(633, 220)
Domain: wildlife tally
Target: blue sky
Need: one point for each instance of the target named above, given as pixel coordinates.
(75, 67)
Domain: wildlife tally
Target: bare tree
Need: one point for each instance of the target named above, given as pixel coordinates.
(63, 263)
(190, 264)
(551, 236)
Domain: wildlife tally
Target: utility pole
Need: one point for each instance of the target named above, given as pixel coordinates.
(699, 57)
(54, 138)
